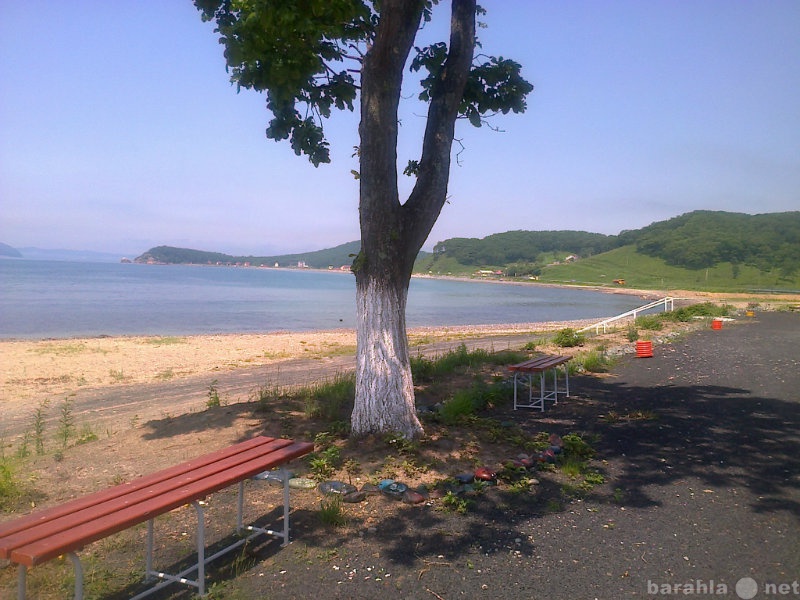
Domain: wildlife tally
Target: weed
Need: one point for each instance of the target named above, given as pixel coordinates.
(633, 333)
(86, 435)
(454, 503)
(324, 462)
(66, 423)
(331, 512)
(619, 495)
(352, 468)
(530, 347)
(39, 415)
(401, 444)
(116, 375)
(213, 395)
(594, 478)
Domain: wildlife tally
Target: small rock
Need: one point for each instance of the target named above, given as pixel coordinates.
(354, 497)
(412, 497)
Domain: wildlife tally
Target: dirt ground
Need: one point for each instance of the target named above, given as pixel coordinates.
(699, 460)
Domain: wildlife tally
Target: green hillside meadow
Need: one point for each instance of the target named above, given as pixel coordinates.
(644, 272)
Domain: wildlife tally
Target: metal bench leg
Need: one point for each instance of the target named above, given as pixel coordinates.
(201, 548)
(542, 384)
(555, 385)
(78, 568)
(285, 477)
(22, 582)
(148, 565)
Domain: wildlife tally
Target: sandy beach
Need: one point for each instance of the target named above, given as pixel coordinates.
(34, 371)
(37, 370)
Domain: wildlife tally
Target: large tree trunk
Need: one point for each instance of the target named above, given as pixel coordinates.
(393, 233)
(383, 373)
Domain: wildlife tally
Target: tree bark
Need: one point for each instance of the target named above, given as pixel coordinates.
(392, 233)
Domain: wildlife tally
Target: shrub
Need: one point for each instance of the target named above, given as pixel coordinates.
(704, 309)
(650, 322)
(568, 338)
(576, 446)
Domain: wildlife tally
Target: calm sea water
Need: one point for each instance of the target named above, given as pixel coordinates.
(44, 299)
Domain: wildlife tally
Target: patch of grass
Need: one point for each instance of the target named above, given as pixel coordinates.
(164, 341)
(9, 488)
(467, 401)
(117, 375)
(330, 399)
(594, 478)
(592, 361)
(572, 466)
(331, 512)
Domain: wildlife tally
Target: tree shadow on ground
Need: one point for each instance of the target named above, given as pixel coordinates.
(719, 435)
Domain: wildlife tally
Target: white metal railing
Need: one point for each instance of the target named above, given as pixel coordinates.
(668, 302)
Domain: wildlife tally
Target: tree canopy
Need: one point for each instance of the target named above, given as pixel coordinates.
(311, 56)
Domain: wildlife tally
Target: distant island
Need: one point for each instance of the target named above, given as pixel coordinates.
(698, 250)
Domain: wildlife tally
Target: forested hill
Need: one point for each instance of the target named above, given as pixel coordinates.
(321, 259)
(695, 240)
(703, 239)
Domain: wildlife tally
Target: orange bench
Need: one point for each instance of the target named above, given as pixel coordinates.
(65, 529)
(540, 365)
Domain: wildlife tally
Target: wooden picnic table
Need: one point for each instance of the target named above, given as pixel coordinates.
(525, 371)
(65, 529)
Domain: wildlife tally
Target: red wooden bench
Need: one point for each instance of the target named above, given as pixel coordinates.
(540, 365)
(65, 529)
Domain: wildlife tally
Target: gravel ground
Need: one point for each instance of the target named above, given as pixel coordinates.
(700, 446)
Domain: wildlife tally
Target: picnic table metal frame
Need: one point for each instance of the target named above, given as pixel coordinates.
(525, 372)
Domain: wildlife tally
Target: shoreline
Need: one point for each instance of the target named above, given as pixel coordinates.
(35, 371)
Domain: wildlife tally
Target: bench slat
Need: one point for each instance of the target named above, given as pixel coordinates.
(134, 496)
(191, 481)
(77, 504)
(540, 363)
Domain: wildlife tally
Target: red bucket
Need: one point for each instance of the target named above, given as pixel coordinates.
(716, 324)
(644, 349)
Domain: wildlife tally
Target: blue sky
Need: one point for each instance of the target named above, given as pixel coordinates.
(121, 130)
